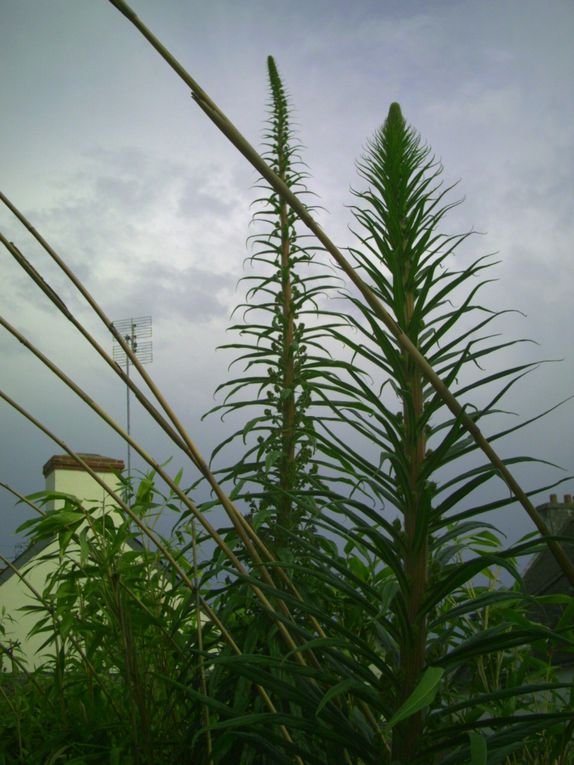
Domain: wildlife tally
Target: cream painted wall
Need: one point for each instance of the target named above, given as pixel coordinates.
(16, 624)
(15, 594)
(80, 484)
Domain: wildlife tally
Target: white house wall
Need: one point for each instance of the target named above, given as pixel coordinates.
(15, 595)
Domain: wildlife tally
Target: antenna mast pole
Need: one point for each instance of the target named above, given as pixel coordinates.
(130, 339)
(132, 330)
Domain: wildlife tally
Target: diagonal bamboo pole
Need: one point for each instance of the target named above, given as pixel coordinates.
(241, 143)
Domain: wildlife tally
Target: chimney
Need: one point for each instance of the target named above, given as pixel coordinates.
(557, 514)
(64, 474)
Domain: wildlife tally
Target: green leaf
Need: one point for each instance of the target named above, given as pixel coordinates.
(358, 568)
(478, 749)
(421, 697)
(271, 458)
(343, 687)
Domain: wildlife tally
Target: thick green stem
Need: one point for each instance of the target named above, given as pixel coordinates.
(413, 650)
(286, 404)
(288, 411)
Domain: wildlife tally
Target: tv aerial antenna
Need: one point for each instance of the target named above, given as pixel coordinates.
(133, 331)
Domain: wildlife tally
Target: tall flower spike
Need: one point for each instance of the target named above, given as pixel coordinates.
(282, 353)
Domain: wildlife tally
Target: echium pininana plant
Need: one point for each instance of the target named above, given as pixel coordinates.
(408, 453)
(281, 349)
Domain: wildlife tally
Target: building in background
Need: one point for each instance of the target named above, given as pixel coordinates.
(543, 575)
(63, 475)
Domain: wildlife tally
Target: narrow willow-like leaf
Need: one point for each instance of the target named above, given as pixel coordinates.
(421, 697)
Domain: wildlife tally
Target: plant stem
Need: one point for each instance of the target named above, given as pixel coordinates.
(413, 651)
(287, 405)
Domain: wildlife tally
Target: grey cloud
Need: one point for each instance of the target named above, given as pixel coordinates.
(197, 198)
(123, 206)
(173, 294)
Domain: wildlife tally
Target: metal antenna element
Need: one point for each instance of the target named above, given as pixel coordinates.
(132, 330)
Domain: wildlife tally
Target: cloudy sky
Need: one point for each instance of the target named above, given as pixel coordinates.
(105, 151)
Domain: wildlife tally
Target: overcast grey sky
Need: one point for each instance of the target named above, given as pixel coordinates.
(105, 151)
